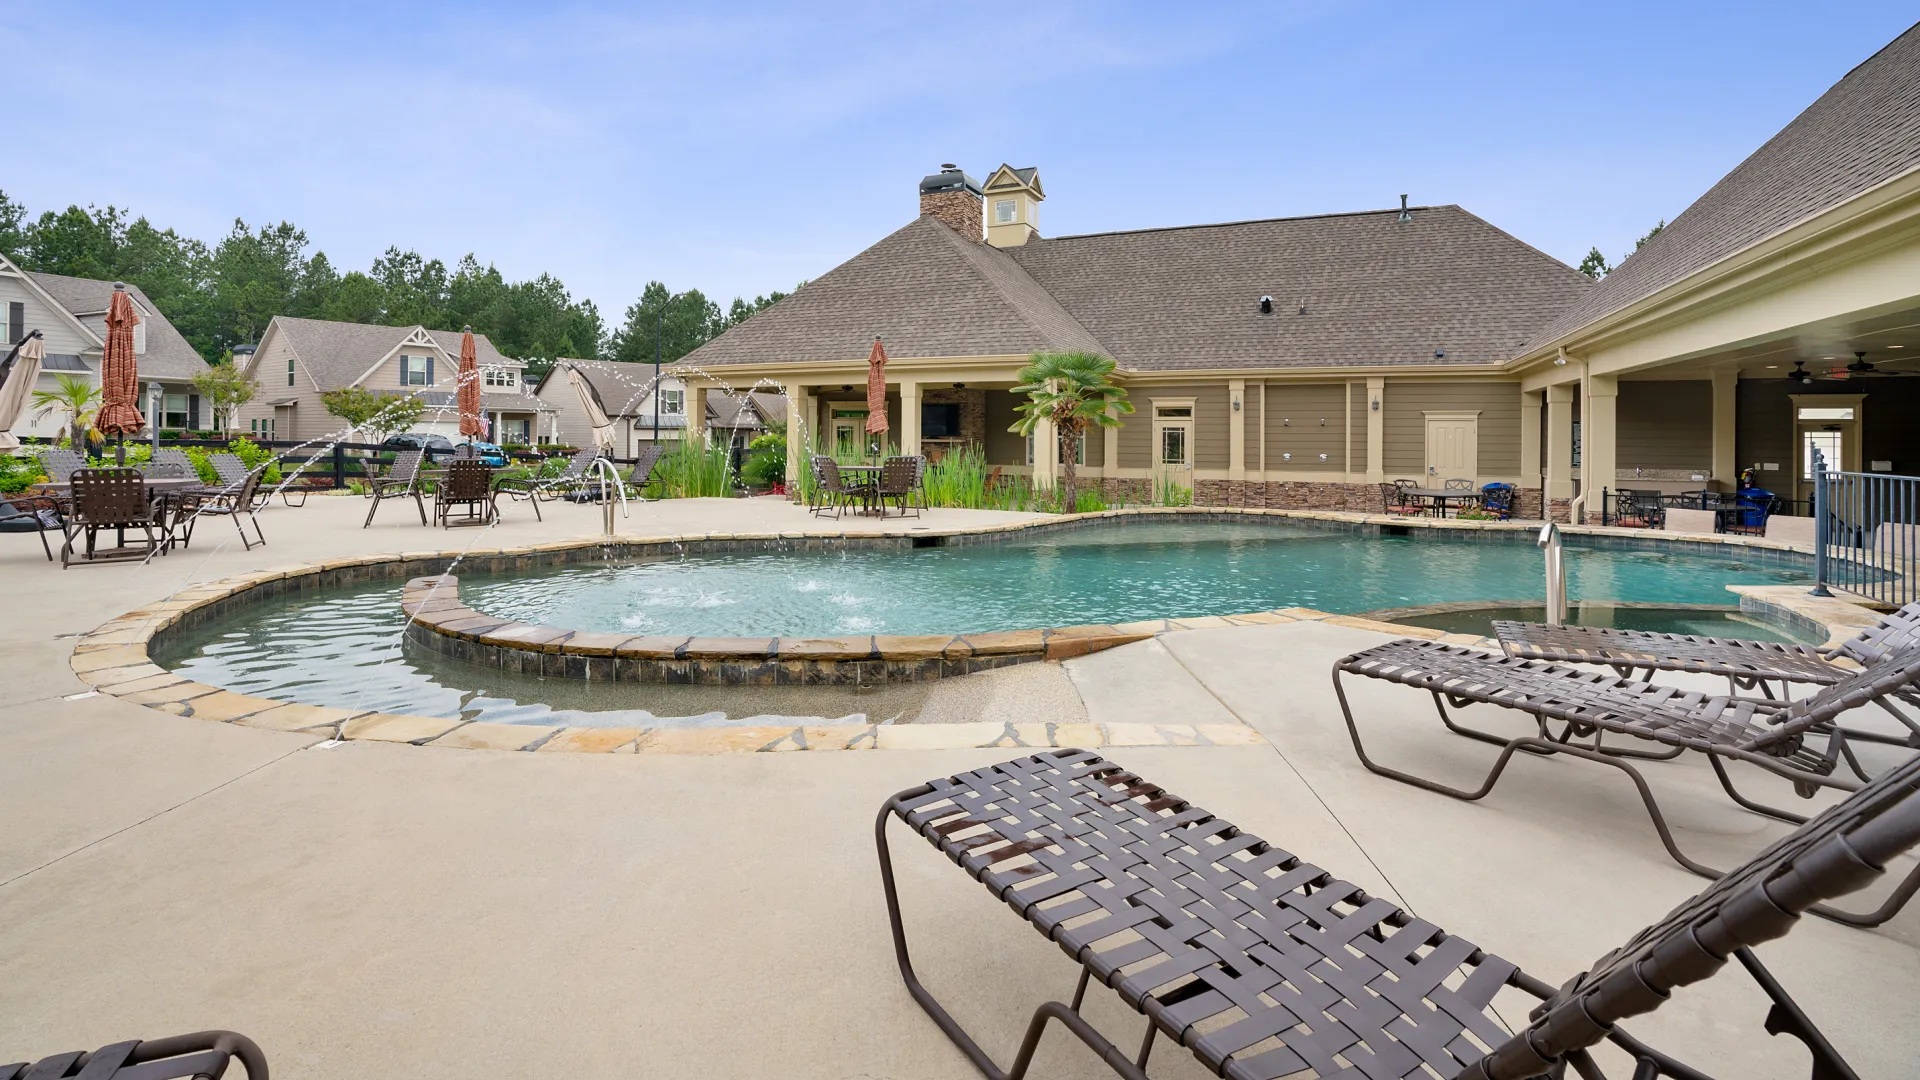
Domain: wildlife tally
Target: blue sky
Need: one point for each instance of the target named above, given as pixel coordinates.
(742, 148)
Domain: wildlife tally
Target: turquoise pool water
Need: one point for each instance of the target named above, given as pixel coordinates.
(1101, 574)
(342, 646)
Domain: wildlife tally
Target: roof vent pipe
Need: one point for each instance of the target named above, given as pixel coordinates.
(1405, 214)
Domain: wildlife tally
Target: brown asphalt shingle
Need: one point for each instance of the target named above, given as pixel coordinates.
(1862, 132)
(168, 354)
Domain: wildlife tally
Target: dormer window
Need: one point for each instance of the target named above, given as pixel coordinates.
(1005, 211)
(498, 377)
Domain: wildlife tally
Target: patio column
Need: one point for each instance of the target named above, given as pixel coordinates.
(1726, 469)
(1236, 429)
(909, 418)
(1531, 402)
(1110, 449)
(696, 406)
(1559, 444)
(797, 431)
(1597, 465)
(1046, 454)
(1376, 430)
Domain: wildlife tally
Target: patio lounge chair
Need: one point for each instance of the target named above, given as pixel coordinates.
(30, 513)
(245, 500)
(897, 482)
(554, 487)
(641, 474)
(402, 481)
(204, 1054)
(60, 464)
(468, 484)
(1263, 965)
(1589, 704)
(1746, 665)
(116, 499)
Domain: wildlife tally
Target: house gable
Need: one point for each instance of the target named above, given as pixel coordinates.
(64, 332)
(384, 374)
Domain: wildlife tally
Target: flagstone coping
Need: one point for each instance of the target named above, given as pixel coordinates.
(113, 659)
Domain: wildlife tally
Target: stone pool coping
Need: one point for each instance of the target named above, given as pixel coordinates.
(114, 657)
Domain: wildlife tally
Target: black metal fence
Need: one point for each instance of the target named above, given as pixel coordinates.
(1744, 511)
(1867, 533)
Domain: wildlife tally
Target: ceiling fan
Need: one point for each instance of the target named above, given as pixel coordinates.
(1858, 369)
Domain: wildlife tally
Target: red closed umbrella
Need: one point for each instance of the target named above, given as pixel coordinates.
(469, 389)
(119, 370)
(877, 390)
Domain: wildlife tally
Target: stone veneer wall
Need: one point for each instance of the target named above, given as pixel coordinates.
(973, 411)
(959, 210)
(1292, 495)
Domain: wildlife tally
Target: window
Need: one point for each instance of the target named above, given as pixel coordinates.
(1029, 448)
(260, 429)
(1173, 412)
(1080, 449)
(140, 337)
(1576, 443)
(497, 377)
(416, 370)
(1817, 412)
(674, 403)
(1004, 211)
(1827, 442)
(16, 322)
(173, 411)
(1173, 445)
(289, 370)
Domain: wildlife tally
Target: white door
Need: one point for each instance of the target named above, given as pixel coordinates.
(1453, 448)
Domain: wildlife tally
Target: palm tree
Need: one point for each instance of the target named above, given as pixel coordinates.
(1076, 391)
(77, 397)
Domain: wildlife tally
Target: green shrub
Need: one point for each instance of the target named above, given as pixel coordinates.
(1169, 492)
(766, 462)
(18, 473)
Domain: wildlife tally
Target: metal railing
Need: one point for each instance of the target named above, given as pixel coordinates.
(1866, 533)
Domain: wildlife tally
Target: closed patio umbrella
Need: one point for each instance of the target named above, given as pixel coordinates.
(17, 374)
(469, 388)
(877, 390)
(120, 374)
(596, 412)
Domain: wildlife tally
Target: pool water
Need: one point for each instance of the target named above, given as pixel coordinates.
(342, 647)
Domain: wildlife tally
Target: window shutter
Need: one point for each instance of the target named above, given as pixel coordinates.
(429, 369)
(193, 412)
(16, 321)
(403, 368)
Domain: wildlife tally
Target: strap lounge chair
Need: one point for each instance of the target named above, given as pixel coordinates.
(1263, 965)
(30, 513)
(554, 487)
(114, 499)
(898, 479)
(468, 485)
(203, 1055)
(1747, 665)
(60, 465)
(402, 481)
(641, 474)
(1589, 704)
(246, 500)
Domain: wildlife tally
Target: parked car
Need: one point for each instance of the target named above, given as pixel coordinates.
(408, 440)
(490, 453)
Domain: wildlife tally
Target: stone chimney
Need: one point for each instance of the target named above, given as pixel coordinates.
(953, 198)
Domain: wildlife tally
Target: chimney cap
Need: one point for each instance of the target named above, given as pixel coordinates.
(950, 178)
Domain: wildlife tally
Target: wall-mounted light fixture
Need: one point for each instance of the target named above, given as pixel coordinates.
(1286, 457)
(1375, 405)
(1323, 421)
(1323, 457)
(1236, 403)
(1285, 422)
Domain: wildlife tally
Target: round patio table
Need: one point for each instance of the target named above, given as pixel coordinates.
(1441, 497)
(869, 476)
(171, 489)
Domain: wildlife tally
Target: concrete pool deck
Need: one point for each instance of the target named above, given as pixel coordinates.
(378, 909)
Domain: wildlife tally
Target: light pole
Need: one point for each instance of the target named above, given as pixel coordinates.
(656, 375)
(153, 413)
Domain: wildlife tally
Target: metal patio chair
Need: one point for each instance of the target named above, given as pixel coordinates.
(836, 491)
(1393, 501)
(467, 485)
(113, 498)
(1746, 665)
(245, 500)
(1772, 736)
(401, 481)
(644, 462)
(557, 486)
(60, 465)
(1458, 485)
(203, 1055)
(30, 513)
(1263, 965)
(897, 481)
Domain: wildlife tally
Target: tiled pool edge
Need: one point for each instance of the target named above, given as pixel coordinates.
(113, 658)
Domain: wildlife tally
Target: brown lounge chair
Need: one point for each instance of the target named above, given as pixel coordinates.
(1747, 665)
(1264, 965)
(1589, 704)
(203, 1055)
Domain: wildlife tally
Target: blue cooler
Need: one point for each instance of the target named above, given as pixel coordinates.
(1754, 504)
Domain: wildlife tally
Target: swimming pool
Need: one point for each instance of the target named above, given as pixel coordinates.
(342, 646)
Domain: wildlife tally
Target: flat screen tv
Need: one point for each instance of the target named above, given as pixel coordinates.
(941, 421)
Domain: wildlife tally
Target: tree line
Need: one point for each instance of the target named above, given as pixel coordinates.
(224, 294)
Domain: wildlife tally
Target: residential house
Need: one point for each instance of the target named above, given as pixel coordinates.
(297, 360)
(1306, 361)
(626, 393)
(71, 315)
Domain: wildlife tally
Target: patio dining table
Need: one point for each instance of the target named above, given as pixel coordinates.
(173, 490)
(867, 476)
(1441, 498)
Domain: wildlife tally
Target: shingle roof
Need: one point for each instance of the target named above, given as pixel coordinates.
(621, 386)
(1862, 132)
(923, 290)
(750, 410)
(168, 355)
(337, 353)
(1376, 291)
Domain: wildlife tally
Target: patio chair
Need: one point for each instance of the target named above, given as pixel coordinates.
(1393, 500)
(111, 498)
(818, 495)
(173, 459)
(897, 475)
(203, 1054)
(555, 487)
(1640, 508)
(1263, 965)
(30, 513)
(468, 485)
(641, 474)
(1589, 704)
(1458, 485)
(231, 470)
(401, 481)
(836, 490)
(523, 487)
(246, 500)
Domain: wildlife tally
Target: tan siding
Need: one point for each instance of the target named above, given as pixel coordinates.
(1664, 425)
(1405, 444)
(1253, 415)
(446, 370)
(1212, 436)
(1295, 412)
(1003, 446)
(1095, 439)
(1357, 430)
(1136, 436)
(54, 327)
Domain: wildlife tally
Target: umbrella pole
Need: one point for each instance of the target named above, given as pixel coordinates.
(120, 448)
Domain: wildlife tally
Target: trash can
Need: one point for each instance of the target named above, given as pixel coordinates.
(1498, 499)
(1755, 504)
